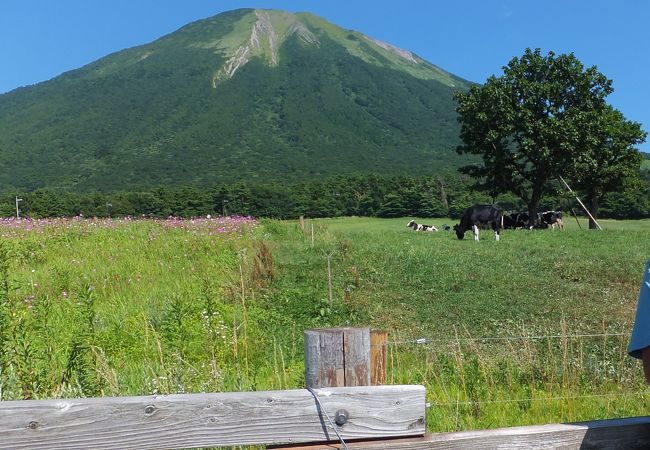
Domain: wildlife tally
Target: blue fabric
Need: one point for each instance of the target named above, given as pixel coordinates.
(641, 332)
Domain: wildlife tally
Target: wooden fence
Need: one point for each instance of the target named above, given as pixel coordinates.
(208, 420)
(624, 434)
(364, 417)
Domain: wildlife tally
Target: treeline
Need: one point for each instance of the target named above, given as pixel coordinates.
(361, 195)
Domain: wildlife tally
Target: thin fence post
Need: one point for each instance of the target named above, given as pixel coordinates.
(329, 277)
(378, 357)
(302, 223)
(581, 204)
(337, 357)
(576, 217)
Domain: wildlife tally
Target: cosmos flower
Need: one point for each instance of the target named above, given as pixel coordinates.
(203, 225)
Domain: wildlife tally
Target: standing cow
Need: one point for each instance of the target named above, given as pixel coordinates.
(479, 216)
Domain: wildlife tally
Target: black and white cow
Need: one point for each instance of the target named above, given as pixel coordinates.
(515, 220)
(523, 220)
(478, 216)
(508, 222)
(420, 227)
(551, 219)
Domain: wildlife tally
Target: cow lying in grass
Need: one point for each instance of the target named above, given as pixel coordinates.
(547, 219)
(516, 220)
(479, 216)
(420, 227)
(551, 219)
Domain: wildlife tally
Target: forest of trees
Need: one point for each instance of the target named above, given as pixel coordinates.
(359, 195)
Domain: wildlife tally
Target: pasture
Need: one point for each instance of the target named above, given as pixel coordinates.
(529, 278)
(531, 329)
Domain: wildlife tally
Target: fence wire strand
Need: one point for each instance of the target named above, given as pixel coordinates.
(320, 405)
(535, 399)
(427, 341)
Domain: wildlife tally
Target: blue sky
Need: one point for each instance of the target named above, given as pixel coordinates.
(473, 39)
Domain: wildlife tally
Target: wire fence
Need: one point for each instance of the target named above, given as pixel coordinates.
(427, 341)
(538, 399)
(620, 363)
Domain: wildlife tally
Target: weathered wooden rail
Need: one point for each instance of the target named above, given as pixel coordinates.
(380, 417)
(208, 420)
(365, 417)
(624, 434)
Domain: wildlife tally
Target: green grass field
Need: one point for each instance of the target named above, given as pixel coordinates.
(531, 277)
(531, 329)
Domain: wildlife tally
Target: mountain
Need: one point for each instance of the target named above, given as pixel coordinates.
(245, 95)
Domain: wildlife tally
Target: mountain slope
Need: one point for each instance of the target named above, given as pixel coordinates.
(248, 94)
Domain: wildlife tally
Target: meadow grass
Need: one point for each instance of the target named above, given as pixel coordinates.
(529, 279)
(532, 283)
(141, 307)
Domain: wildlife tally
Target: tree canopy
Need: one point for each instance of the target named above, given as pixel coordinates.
(545, 117)
(608, 159)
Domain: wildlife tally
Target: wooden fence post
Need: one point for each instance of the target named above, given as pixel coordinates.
(302, 223)
(378, 357)
(337, 357)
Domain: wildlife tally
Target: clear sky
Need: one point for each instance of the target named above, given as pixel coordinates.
(473, 39)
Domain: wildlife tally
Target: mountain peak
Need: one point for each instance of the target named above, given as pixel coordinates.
(260, 33)
(257, 34)
(247, 94)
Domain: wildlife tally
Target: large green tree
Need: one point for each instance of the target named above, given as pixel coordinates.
(607, 158)
(528, 124)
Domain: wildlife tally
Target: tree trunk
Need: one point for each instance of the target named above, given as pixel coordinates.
(592, 201)
(533, 205)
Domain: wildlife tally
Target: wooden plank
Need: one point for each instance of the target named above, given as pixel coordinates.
(210, 420)
(631, 433)
(378, 357)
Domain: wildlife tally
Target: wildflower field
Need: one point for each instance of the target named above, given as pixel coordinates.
(531, 329)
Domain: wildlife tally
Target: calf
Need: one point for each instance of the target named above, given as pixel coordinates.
(479, 215)
(420, 227)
